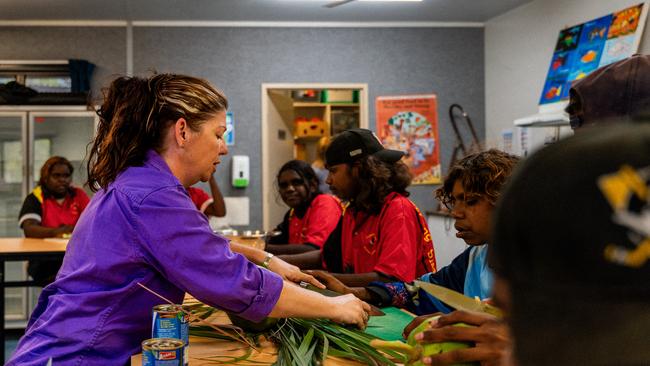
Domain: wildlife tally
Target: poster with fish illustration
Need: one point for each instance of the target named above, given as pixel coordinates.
(582, 48)
(410, 123)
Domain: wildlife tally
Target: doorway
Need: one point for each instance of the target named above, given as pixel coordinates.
(294, 119)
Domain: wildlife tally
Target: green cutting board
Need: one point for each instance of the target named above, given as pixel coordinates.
(390, 326)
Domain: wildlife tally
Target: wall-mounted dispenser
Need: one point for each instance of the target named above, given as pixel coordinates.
(240, 171)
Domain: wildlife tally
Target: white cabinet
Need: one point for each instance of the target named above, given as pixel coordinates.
(29, 135)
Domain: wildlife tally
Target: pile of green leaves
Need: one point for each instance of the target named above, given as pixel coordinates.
(306, 342)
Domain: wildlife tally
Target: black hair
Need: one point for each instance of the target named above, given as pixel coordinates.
(306, 173)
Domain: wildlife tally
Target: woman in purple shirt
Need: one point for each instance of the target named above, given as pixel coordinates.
(156, 137)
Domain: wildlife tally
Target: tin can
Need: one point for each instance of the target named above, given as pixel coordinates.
(162, 352)
(169, 321)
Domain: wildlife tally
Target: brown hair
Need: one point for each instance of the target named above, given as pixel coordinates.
(482, 173)
(136, 114)
(376, 179)
(46, 170)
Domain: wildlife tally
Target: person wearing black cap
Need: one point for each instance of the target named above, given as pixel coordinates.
(384, 236)
(619, 92)
(571, 251)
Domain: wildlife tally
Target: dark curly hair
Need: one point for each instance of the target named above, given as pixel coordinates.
(376, 179)
(482, 173)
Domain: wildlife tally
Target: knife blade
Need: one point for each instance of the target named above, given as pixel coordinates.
(374, 311)
(457, 300)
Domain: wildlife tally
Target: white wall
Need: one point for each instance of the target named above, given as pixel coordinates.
(518, 50)
(447, 246)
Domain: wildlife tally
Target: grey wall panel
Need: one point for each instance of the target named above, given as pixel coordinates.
(446, 61)
(103, 46)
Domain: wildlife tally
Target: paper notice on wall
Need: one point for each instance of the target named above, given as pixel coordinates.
(237, 214)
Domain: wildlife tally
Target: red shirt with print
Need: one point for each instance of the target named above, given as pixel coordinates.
(396, 243)
(318, 222)
(49, 212)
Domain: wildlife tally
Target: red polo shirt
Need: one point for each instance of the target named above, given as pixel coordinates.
(200, 198)
(396, 242)
(318, 222)
(49, 212)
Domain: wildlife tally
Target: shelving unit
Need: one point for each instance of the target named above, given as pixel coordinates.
(280, 140)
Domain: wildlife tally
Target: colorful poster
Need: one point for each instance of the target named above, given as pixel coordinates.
(410, 124)
(583, 48)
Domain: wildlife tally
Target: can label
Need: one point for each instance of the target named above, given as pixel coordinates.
(162, 352)
(169, 321)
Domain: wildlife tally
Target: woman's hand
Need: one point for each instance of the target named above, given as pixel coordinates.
(330, 281)
(491, 336)
(292, 273)
(348, 309)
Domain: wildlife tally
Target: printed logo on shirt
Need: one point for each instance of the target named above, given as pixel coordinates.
(628, 193)
(74, 209)
(369, 243)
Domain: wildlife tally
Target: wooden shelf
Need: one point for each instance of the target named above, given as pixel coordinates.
(307, 139)
(344, 105)
(318, 104)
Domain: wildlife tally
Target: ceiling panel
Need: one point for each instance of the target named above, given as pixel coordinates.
(256, 10)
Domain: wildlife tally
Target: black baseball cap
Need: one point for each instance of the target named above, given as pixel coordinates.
(351, 145)
(571, 238)
(613, 93)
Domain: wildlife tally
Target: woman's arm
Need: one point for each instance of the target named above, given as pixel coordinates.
(218, 206)
(307, 260)
(361, 279)
(280, 249)
(34, 229)
(334, 284)
(298, 302)
(277, 265)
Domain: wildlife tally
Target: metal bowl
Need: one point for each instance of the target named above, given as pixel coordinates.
(248, 234)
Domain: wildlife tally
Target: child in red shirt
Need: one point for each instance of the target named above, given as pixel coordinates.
(384, 237)
(312, 216)
(210, 206)
(51, 210)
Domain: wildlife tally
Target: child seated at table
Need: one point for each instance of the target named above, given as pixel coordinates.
(51, 210)
(470, 192)
(312, 215)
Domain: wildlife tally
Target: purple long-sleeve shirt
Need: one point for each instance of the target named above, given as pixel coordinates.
(142, 228)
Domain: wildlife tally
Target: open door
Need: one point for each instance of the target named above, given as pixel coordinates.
(280, 110)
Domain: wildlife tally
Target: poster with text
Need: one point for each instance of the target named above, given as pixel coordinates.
(410, 124)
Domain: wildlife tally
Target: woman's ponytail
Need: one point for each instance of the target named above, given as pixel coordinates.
(135, 115)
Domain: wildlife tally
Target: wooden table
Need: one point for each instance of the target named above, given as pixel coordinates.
(203, 351)
(257, 243)
(20, 249)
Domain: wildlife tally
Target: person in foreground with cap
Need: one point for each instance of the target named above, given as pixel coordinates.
(384, 237)
(571, 251)
(619, 92)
